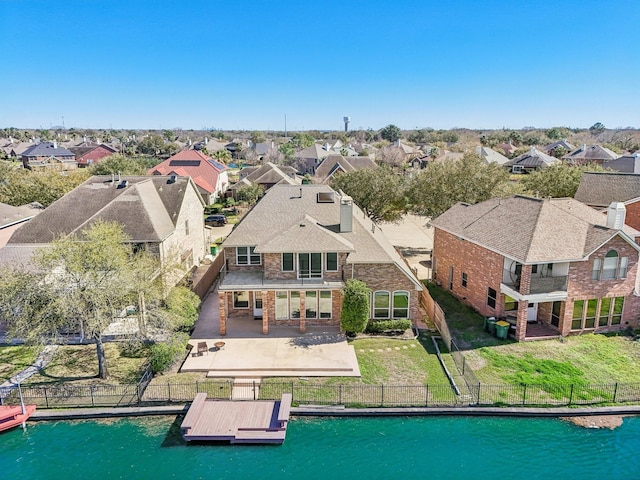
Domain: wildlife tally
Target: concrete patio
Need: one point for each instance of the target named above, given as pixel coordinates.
(319, 352)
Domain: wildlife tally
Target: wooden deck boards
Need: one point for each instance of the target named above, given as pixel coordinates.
(237, 422)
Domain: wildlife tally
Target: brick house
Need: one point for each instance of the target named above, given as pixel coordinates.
(288, 259)
(551, 264)
(590, 154)
(210, 176)
(163, 215)
(49, 155)
(87, 155)
(599, 189)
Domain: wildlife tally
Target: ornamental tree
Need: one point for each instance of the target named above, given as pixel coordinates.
(355, 306)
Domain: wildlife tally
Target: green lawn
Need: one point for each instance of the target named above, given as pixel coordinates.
(584, 359)
(78, 364)
(15, 359)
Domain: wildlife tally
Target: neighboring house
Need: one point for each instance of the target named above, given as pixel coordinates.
(491, 156)
(600, 189)
(563, 144)
(307, 160)
(11, 218)
(590, 154)
(629, 163)
(49, 155)
(87, 155)
(549, 266)
(507, 148)
(163, 215)
(287, 261)
(334, 164)
(15, 149)
(210, 176)
(211, 146)
(267, 176)
(529, 161)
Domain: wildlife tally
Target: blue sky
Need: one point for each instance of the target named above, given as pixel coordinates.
(239, 64)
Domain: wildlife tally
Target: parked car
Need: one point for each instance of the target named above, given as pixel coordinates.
(215, 220)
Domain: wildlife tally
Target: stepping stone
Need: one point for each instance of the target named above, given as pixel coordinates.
(413, 345)
(405, 347)
(361, 350)
(371, 350)
(388, 349)
(380, 350)
(396, 348)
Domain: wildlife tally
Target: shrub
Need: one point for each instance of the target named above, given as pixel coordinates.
(230, 202)
(164, 354)
(380, 326)
(182, 305)
(355, 306)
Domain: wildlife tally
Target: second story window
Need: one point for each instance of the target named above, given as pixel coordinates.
(309, 265)
(247, 256)
(332, 262)
(611, 267)
(287, 262)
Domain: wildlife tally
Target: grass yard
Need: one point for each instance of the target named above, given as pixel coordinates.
(16, 359)
(585, 359)
(78, 364)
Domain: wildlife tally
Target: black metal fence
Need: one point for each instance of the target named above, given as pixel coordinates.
(306, 393)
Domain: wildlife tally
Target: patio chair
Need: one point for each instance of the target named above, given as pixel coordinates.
(202, 348)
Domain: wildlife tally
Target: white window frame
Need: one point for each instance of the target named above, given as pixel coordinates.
(375, 309)
(312, 273)
(327, 261)
(250, 256)
(393, 304)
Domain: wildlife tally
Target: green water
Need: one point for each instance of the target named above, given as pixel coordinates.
(321, 448)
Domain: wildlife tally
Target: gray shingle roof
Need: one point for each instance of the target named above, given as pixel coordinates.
(147, 208)
(599, 189)
(532, 159)
(334, 162)
(532, 230)
(47, 149)
(273, 225)
(591, 153)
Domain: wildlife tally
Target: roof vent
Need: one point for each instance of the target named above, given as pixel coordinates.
(326, 197)
(172, 179)
(123, 184)
(616, 215)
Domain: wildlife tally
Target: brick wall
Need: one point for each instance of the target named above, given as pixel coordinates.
(272, 263)
(483, 268)
(580, 285)
(633, 215)
(95, 155)
(385, 276)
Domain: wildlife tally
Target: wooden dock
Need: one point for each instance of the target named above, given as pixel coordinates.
(260, 421)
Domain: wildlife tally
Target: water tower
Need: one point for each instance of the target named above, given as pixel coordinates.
(346, 123)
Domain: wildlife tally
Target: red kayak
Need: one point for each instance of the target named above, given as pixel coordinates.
(12, 416)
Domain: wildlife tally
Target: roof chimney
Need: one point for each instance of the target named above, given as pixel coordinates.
(615, 215)
(398, 142)
(55, 144)
(206, 140)
(532, 152)
(584, 147)
(346, 214)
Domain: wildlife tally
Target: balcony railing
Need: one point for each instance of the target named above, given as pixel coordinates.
(538, 284)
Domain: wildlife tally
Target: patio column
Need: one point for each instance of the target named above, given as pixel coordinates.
(303, 312)
(266, 303)
(521, 321)
(222, 301)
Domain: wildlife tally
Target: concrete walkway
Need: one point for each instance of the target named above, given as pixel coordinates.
(44, 357)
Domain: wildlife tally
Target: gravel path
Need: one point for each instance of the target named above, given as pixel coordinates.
(44, 357)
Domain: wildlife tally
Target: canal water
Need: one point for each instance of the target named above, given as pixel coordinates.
(328, 448)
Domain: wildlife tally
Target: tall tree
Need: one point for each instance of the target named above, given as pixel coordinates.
(83, 279)
(442, 184)
(118, 163)
(379, 192)
(391, 133)
(558, 180)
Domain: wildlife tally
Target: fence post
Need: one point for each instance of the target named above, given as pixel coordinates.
(197, 387)
(464, 362)
(615, 392)
(291, 390)
(382, 395)
(254, 389)
(46, 398)
(340, 394)
(168, 392)
(91, 392)
(426, 395)
(139, 394)
(571, 395)
(524, 395)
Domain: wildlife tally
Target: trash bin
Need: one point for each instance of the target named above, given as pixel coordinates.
(214, 250)
(502, 329)
(491, 325)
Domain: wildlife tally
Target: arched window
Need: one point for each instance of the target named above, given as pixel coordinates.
(381, 304)
(609, 265)
(400, 304)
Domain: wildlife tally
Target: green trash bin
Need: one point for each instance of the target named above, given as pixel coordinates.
(491, 325)
(214, 250)
(502, 329)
